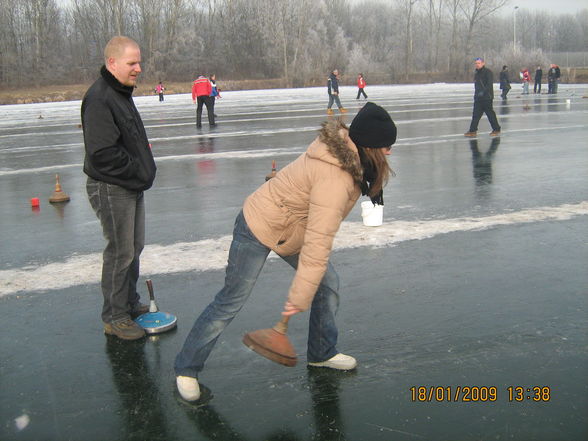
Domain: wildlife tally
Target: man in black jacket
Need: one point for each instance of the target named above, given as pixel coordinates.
(538, 78)
(553, 75)
(120, 166)
(504, 82)
(483, 96)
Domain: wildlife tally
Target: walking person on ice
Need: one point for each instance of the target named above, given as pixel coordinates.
(159, 89)
(483, 96)
(297, 214)
(361, 86)
(333, 91)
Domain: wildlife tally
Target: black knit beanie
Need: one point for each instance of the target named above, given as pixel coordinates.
(372, 127)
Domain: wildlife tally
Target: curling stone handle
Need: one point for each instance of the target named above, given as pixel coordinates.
(150, 288)
(152, 304)
(282, 325)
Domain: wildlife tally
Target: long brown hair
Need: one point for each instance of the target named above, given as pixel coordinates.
(381, 167)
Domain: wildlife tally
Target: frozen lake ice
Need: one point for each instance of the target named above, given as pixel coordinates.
(477, 277)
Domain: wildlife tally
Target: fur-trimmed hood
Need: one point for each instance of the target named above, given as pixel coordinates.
(334, 140)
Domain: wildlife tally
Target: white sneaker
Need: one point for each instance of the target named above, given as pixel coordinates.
(340, 361)
(188, 388)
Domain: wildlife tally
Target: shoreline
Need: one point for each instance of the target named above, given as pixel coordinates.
(72, 92)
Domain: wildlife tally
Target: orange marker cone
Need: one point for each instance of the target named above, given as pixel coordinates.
(58, 195)
(273, 172)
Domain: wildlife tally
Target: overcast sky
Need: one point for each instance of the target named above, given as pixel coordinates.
(552, 6)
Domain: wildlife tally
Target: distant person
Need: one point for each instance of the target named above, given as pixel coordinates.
(483, 96)
(537, 79)
(526, 79)
(159, 90)
(201, 91)
(557, 77)
(504, 82)
(120, 167)
(215, 94)
(553, 75)
(333, 91)
(297, 214)
(361, 86)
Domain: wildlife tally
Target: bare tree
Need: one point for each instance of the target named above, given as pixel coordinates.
(50, 41)
(408, 6)
(474, 11)
(9, 36)
(285, 23)
(149, 12)
(453, 8)
(435, 20)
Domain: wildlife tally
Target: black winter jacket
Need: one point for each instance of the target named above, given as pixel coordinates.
(483, 85)
(332, 84)
(504, 80)
(117, 149)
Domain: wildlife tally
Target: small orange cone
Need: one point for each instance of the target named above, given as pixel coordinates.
(273, 172)
(58, 195)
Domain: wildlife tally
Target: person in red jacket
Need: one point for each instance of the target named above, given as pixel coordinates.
(360, 86)
(526, 77)
(201, 91)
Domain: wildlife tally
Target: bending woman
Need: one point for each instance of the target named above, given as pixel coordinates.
(297, 214)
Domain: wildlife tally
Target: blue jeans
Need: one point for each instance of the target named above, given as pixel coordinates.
(122, 215)
(246, 259)
(526, 88)
(334, 99)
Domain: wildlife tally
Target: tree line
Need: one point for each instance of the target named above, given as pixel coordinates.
(300, 41)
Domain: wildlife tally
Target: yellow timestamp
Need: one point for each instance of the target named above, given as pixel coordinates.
(533, 393)
(483, 394)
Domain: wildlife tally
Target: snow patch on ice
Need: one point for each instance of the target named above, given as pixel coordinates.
(22, 422)
(211, 254)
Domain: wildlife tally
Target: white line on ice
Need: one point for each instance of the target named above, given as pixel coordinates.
(211, 254)
(259, 153)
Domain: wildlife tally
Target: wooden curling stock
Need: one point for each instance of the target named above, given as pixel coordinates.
(273, 343)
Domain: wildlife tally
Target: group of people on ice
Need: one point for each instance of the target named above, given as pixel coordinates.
(553, 76)
(204, 93)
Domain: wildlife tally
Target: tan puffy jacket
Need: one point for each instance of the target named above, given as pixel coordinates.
(301, 208)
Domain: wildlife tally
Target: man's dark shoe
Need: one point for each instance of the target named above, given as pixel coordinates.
(137, 309)
(125, 329)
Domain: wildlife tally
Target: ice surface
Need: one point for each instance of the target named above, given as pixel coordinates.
(477, 277)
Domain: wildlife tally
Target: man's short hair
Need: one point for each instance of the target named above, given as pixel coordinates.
(479, 59)
(116, 47)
